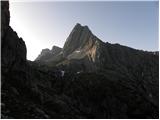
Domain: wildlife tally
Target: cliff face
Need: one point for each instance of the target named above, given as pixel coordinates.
(13, 48)
(87, 78)
(81, 43)
(77, 39)
(17, 77)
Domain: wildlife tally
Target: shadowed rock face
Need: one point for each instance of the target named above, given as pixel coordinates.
(5, 18)
(56, 49)
(125, 85)
(13, 48)
(47, 54)
(77, 38)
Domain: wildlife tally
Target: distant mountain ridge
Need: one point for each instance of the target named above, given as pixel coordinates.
(46, 54)
(84, 49)
(84, 52)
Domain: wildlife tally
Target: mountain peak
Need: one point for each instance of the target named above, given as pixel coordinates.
(77, 38)
(55, 48)
(79, 26)
(47, 53)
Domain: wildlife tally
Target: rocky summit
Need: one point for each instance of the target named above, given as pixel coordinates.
(87, 78)
(47, 54)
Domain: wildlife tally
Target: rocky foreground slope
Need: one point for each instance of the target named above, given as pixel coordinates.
(87, 78)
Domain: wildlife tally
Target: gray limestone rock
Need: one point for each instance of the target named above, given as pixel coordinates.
(47, 54)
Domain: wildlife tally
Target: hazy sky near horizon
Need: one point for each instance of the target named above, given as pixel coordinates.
(44, 24)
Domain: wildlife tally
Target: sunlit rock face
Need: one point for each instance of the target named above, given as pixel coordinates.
(77, 39)
(81, 45)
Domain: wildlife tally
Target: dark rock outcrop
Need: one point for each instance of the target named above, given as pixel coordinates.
(85, 79)
(13, 48)
(5, 18)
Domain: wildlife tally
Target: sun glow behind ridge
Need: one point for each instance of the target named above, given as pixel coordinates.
(47, 23)
(31, 27)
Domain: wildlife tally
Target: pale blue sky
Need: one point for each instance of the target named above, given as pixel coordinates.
(44, 24)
